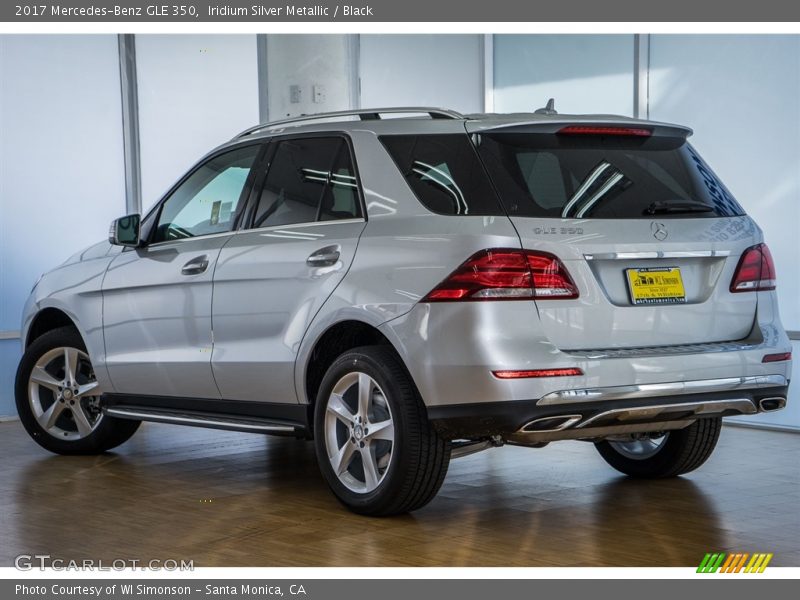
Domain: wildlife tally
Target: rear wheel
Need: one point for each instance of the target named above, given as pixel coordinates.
(668, 455)
(374, 443)
(58, 397)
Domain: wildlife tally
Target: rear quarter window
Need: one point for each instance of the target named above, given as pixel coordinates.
(445, 173)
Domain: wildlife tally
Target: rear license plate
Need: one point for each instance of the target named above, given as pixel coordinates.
(656, 285)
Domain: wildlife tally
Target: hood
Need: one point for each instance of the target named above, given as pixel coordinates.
(97, 250)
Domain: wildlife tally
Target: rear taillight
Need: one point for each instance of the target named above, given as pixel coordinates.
(506, 274)
(604, 130)
(755, 271)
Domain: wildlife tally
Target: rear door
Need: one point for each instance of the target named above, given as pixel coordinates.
(273, 277)
(649, 234)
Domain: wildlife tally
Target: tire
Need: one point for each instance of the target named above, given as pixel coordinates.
(43, 393)
(680, 451)
(407, 471)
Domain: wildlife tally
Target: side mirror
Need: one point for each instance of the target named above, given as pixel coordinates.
(125, 231)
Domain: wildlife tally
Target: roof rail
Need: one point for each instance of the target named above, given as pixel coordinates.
(365, 114)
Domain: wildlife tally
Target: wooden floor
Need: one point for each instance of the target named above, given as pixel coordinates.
(230, 499)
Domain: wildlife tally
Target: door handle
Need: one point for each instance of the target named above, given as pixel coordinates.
(324, 257)
(195, 266)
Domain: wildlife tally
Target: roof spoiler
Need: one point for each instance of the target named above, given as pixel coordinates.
(555, 125)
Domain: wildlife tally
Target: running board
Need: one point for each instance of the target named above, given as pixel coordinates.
(211, 421)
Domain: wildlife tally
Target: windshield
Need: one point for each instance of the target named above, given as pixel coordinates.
(602, 177)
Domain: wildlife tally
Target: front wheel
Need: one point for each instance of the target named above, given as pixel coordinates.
(58, 397)
(374, 443)
(669, 455)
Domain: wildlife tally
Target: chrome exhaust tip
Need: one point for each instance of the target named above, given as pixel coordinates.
(771, 404)
(546, 424)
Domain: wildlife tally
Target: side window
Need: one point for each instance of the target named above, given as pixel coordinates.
(309, 179)
(207, 201)
(444, 173)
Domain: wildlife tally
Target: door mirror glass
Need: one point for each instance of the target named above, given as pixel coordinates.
(125, 231)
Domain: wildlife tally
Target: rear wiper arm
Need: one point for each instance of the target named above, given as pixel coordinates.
(677, 207)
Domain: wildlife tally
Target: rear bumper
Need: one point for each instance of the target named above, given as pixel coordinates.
(451, 350)
(598, 412)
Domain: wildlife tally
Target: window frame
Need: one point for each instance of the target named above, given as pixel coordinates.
(244, 198)
(246, 222)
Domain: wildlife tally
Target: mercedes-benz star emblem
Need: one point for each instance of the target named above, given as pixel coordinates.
(659, 231)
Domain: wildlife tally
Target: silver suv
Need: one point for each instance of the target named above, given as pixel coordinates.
(412, 289)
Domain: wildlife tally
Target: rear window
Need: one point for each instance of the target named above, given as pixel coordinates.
(445, 173)
(602, 177)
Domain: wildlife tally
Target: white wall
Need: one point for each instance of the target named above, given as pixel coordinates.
(306, 61)
(740, 94)
(195, 92)
(61, 163)
(422, 70)
(584, 73)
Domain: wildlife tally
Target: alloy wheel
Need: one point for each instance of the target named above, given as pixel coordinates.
(359, 432)
(64, 394)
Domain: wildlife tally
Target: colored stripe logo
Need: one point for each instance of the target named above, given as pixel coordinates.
(739, 562)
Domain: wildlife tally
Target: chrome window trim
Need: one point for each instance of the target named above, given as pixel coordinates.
(301, 225)
(205, 236)
(240, 231)
(675, 388)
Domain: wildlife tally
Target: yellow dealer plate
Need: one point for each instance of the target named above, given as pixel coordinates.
(656, 285)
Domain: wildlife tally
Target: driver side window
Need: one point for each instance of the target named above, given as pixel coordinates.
(206, 202)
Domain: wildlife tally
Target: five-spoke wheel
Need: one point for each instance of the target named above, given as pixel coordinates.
(58, 397)
(359, 432)
(375, 445)
(64, 394)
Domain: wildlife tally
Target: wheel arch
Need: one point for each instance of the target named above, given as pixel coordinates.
(330, 344)
(47, 319)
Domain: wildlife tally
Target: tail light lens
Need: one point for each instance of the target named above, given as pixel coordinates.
(755, 271)
(605, 130)
(506, 274)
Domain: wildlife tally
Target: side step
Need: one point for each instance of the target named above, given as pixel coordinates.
(209, 420)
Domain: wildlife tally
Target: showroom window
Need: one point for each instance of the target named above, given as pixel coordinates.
(444, 173)
(206, 202)
(309, 179)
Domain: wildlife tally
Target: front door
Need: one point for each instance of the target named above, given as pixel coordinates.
(157, 298)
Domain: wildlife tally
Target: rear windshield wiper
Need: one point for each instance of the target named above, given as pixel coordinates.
(677, 208)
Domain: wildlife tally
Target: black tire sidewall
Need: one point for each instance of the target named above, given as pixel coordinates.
(109, 433)
(403, 456)
(679, 454)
